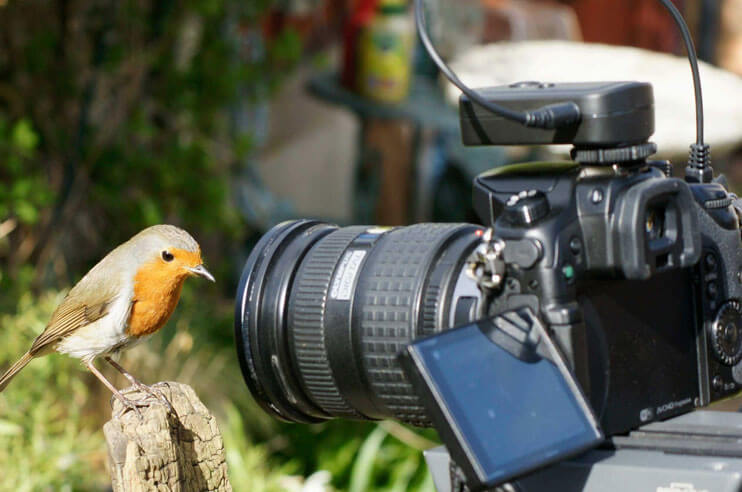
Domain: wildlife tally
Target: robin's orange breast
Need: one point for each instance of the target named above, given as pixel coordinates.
(156, 293)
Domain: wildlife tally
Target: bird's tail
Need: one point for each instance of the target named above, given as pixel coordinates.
(14, 369)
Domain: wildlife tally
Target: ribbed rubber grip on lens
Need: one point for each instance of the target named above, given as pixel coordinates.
(306, 321)
(390, 288)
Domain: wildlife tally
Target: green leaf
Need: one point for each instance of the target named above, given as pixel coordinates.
(287, 47)
(26, 212)
(23, 136)
(364, 464)
(8, 428)
(22, 188)
(150, 211)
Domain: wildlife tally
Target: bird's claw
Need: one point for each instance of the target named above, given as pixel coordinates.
(152, 392)
(158, 394)
(128, 404)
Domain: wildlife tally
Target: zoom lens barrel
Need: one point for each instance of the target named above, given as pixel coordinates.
(322, 313)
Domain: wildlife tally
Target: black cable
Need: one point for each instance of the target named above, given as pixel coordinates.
(564, 114)
(699, 163)
(693, 59)
(422, 30)
(552, 116)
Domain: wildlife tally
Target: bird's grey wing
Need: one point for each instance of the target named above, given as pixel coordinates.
(85, 303)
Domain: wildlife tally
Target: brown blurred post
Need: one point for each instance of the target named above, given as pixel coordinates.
(163, 452)
(392, 142)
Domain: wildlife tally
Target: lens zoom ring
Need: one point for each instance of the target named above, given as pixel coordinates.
(306, 321)
(391, 283)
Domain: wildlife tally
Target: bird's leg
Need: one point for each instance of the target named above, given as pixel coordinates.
(141, 386)
(127, 403)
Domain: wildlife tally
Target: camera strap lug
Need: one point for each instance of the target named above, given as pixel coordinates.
(486, 264)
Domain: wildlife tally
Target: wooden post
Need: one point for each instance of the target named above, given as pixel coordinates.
(163, 452)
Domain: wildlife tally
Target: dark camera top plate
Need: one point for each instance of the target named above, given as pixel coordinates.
(613, 114)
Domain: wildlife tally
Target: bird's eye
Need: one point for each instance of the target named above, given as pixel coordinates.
(167, 256)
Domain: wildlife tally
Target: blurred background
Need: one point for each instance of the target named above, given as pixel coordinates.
(226, 117)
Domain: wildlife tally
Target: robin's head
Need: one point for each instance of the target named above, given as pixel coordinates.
(170, 251)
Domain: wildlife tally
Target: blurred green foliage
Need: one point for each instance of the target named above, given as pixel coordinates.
(116, 115)
(23, 194)
(44, 442)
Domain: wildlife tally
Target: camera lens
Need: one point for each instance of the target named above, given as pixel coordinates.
(323, 311)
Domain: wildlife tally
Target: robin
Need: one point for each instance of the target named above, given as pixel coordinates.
(121, 301)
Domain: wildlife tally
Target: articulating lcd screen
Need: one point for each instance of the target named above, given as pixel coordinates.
(513, 415)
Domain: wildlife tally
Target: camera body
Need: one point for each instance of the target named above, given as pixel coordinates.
(636, 275)
(632, 276)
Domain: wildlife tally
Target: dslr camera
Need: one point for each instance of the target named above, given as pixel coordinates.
(598, 295)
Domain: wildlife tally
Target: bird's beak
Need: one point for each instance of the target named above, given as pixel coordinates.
(201, 271)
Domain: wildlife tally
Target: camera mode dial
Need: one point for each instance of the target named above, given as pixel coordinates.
(726, 333)
(526, 208)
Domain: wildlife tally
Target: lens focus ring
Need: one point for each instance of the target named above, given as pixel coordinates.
(307, 321)
(391, 290)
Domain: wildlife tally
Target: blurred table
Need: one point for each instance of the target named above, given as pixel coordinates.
(425, 104)
(390, 187)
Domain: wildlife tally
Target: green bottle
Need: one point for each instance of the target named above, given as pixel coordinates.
(385, 53)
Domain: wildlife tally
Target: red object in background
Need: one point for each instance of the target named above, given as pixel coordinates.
(641, 23)
(317, 27)
(359, 19)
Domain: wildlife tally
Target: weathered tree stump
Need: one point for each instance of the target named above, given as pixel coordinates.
(164, 452)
